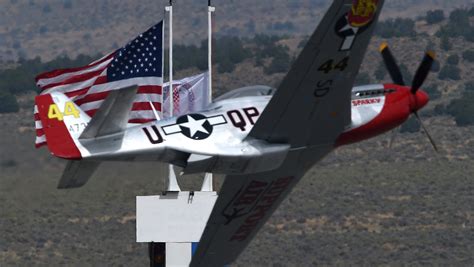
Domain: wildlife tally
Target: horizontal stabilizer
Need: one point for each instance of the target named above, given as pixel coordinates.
(112, 116)
(77, 173)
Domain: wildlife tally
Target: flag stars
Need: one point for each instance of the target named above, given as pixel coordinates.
(140, 58)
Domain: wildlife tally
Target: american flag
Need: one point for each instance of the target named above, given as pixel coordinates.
(140, 63)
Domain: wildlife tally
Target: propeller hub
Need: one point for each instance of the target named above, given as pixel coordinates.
(419, 100)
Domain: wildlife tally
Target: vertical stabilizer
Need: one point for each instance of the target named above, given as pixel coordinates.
(63, 122)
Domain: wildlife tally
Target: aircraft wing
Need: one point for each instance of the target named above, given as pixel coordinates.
(309, 110)
(244, 204)
(312, 105)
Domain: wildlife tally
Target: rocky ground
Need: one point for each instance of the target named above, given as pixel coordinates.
(364, 204)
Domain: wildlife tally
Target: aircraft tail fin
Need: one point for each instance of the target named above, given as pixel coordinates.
(112, 116)
(63, 122)
(77, 173)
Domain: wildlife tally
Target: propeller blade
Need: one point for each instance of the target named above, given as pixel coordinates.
(426, 131)
(391, 64)
(393, 136)
(423, 71)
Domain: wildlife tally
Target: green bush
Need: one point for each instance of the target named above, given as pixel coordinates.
(445, 43)
(469, 86)
(398, 27)
(225, 65)
(462, 109)
(230, 51)
(439, 109)
(453, 60)
(458, 25)
(410, 126)
(468, 55)
(434, 16)
(433, 91)
(22, 78)
(280, 62)
(9, 163)
(449, 72)
(436, 66)
(188, 56)
(8, 103)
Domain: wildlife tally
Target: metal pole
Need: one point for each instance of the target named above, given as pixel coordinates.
(162, 68)
(172, 180)
(207, 183)
(170, 10)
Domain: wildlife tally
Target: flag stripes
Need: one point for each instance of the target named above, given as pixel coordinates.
(138, 63)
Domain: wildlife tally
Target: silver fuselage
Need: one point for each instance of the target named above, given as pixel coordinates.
(214, 140)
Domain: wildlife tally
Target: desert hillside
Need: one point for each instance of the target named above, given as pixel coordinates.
(49, 28)
(365, 204)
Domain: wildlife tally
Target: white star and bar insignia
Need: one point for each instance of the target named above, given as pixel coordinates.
(194, 126)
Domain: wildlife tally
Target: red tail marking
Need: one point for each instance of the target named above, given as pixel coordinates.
(60, 142)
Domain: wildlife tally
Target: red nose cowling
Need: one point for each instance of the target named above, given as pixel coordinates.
(419, 100)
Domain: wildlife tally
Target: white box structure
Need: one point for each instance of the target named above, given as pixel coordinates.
(174, 217)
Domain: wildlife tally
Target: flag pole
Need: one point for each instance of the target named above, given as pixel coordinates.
(170, 62)
(208, 177)
(172, 180)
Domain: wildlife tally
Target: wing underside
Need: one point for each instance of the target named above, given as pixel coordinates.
(244, 205)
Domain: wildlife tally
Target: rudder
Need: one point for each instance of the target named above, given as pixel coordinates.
(63, 122)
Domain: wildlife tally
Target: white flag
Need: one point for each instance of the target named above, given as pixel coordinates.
(190, 94)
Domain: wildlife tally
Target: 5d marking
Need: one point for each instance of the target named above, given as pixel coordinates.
(69, 110)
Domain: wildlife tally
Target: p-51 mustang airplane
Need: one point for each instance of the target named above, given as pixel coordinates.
(264, 143)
